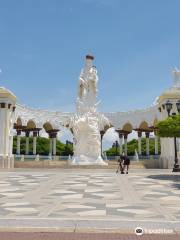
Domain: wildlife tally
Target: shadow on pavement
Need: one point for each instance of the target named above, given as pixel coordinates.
(174, 178)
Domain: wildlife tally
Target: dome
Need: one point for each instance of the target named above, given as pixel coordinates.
(5, 93)
(171, 93)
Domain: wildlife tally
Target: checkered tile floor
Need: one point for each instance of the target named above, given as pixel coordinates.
(88, 194)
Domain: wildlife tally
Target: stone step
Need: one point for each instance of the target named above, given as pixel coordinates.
(65, 164)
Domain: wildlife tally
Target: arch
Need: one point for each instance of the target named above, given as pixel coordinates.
(31, 124)
(110, 130)
(47, 126)
(127, 127)
(143, 125)
(106, 127)
(109, 137)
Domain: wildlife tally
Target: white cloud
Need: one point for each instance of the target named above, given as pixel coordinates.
(110, 135)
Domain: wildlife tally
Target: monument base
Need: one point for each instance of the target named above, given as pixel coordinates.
(85, 160)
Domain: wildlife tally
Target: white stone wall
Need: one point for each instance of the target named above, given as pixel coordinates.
(167, 153)
(7, 103)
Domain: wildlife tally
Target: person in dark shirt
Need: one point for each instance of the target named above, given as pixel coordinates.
(126, 164)
(120, 162)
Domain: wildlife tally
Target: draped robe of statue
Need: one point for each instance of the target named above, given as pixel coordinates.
(87, 122)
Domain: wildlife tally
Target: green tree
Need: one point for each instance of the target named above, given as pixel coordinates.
(169, 127)
(133, 144)
(43, 146)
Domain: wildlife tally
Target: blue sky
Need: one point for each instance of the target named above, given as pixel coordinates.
(43, 44)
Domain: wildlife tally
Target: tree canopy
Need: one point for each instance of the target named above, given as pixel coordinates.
(169, 127)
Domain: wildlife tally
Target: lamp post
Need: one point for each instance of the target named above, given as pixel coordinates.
(169, 105)
(102, 132)
(176, 165)
(178, 106)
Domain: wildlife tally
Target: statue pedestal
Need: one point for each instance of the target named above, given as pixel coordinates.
(85, 160)
(87, 147)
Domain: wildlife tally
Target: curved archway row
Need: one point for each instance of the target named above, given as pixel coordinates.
(127, 128)
(31, 127)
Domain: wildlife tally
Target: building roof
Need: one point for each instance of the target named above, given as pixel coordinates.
(5, 93)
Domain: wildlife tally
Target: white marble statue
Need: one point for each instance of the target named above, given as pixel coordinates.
(87, 122)
(87, 88)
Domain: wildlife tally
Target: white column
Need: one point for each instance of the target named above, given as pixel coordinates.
(9, 118)
(139, 143)
(9, 159)
(34, 142)
(147, 143)
(6, 127)
(10, 145)
(125, 143)
(50, 146)
(120, 143)
(6, 131)
(156, 144)
(18, 149)
(2, 132)
(120, 140)
(54, 146)
(167, 153)
(27, 143)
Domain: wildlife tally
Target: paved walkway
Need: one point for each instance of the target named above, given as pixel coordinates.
(89, 199)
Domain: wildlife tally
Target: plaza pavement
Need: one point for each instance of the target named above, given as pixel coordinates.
(89, 200)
